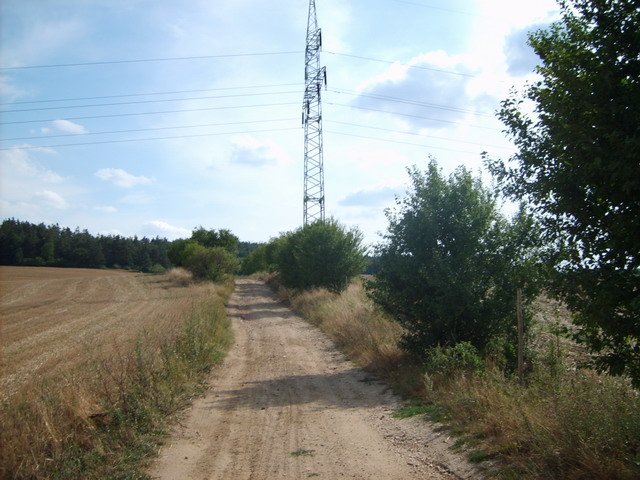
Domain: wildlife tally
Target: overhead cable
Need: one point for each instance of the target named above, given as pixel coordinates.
(412, 116)
(150, 94)
(137, 102)
(129, 140)
(151, 113)
(143, 60)
(134, 130)
(411, 102)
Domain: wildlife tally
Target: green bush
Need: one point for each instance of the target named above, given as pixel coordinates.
(209, 263)
(156, 268)
(451, 263)
(322, 254)
(256, 261)
(448, 361)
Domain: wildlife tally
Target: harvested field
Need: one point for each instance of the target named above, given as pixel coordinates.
(56, 319)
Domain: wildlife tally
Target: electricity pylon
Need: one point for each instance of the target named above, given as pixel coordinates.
(315, 77)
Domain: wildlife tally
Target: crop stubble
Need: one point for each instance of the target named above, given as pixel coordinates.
(55, 319)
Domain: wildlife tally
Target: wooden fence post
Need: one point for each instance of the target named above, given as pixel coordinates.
(520, 335)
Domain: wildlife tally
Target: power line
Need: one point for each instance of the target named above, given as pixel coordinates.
(411, 102)
(419, 135)
(392, 62)
(137, 102)
(413, 116)
(151, 113)
(433, 7)
(150, 93)
(401, 142)
(175, 127)
(33, 147)
(143, 60)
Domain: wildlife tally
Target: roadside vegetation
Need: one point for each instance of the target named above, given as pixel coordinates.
(564, 421)
(106, 416)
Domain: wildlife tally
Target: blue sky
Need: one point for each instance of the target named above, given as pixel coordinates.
(406, 79)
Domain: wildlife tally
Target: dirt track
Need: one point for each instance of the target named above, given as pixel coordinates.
(286, 404)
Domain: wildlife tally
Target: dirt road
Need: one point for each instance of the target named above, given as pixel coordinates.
(286, 404)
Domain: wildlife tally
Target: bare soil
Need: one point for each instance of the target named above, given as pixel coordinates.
(56, 319)
(286, 404)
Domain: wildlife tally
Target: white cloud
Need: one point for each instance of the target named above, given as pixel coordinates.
(251, 151)
(419, 88)
(371, 197)
(164, 229)
(17, 163)
(43, 38)
(51, 199)
(106, 209)
(67, 126)
(121, 178)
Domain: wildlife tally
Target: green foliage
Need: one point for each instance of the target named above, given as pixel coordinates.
(24, 243)
(462, 357)
(577, 164)
(256, 261)
(451, 263)
(212, 238)
(212, 263)
(322, 254)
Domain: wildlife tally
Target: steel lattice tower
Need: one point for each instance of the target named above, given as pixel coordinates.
(315, 77)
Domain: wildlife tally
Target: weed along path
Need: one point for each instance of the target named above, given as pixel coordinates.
(286, 404)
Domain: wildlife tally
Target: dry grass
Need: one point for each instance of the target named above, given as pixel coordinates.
(358, 328)
(100, 413)
(179, 277)
(566, 422)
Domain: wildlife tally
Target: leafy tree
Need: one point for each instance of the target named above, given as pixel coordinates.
(212, 238)
(212, 263)
(321, 254)
(450, 262)
(578, 165)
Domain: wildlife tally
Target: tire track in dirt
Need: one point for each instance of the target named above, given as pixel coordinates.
(286, 404)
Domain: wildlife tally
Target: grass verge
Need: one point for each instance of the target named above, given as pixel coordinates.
(105, 420)
(564, 422)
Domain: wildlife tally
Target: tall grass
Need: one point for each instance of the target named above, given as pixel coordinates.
(564, 422)
(102, 421)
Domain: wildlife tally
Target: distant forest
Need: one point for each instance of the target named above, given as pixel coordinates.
(30, 244)
(25, 243)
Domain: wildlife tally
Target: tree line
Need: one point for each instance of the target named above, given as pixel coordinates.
(29, 244)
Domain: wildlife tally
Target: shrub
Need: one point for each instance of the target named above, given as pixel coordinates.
(451, 263)
(156, 268)
(449, 361)
(209, 263)
(256, 261)
(322, 254)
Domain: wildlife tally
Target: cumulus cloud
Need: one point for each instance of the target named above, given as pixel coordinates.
(163, 229)
(121, 178)
(253, 152)
(50, 199)
(520, 57)
(67, 126)
(372, 197)
(425, 90)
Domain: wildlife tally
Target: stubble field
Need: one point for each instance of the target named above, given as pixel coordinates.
(55, 319)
